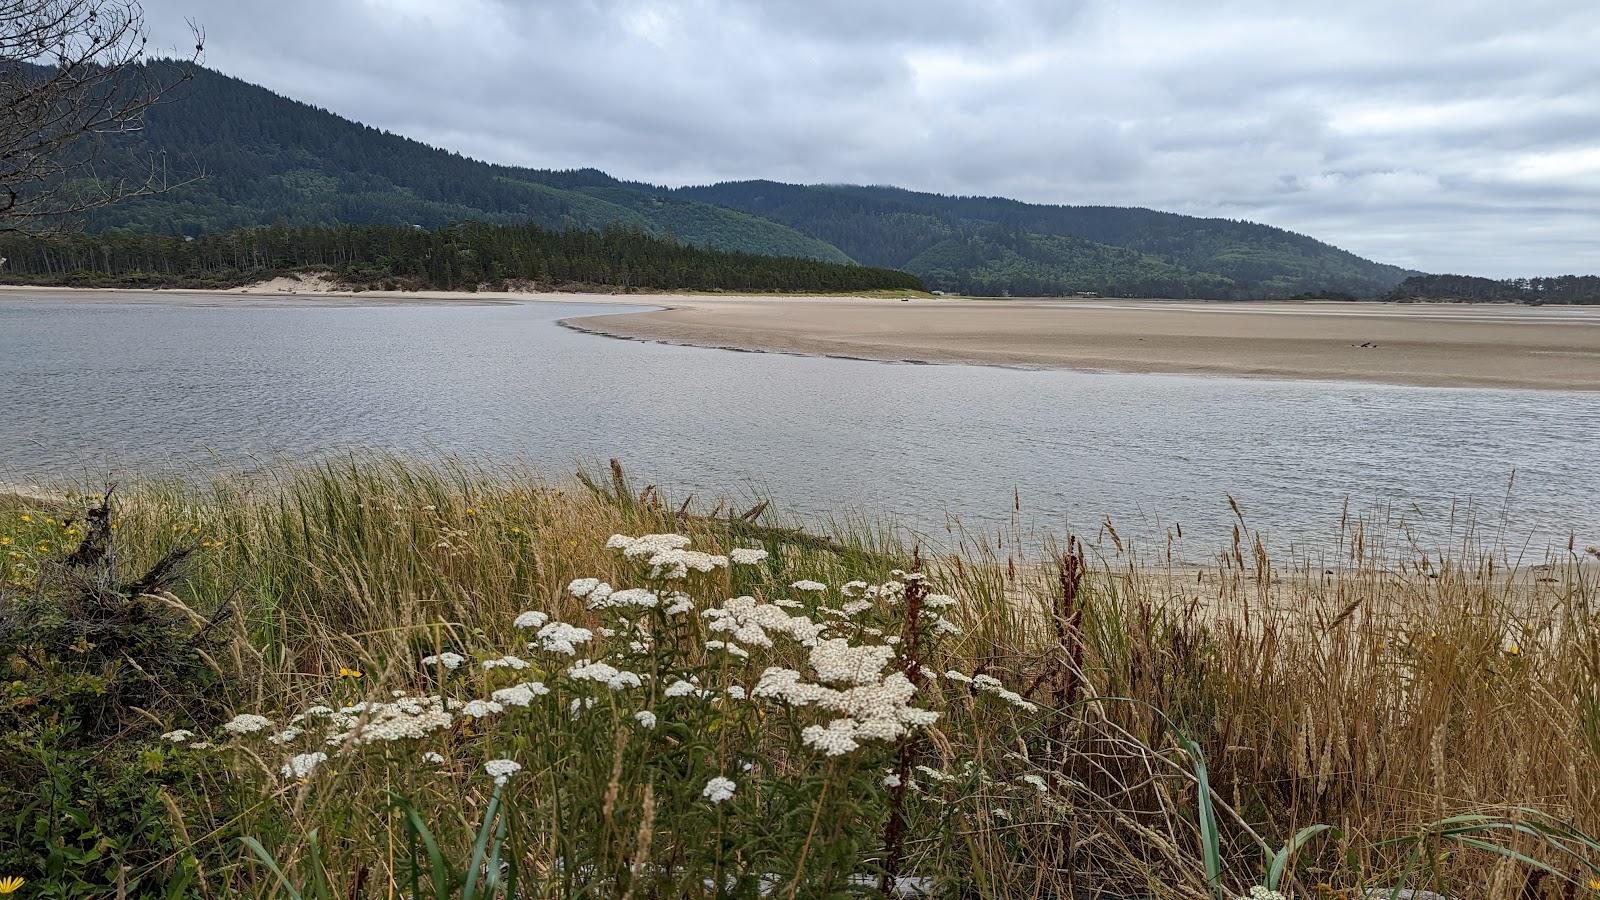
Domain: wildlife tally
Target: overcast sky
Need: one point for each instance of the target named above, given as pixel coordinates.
(1447, 135)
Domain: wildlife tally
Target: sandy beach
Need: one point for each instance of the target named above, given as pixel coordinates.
(1443, 344)
(1435, 344)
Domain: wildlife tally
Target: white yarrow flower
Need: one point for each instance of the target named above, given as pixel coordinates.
(645, 718)
(747, 556)
(481, 709)
(501, 770)
(301, 765)
(604, 673)
(506, 662)
(447, 659)
(179, 736)
(806, 585)
(719, 789)
(531, 618)
(559, 637)
(284, 736)
(247, 723)
(519, 694)
(679, 688)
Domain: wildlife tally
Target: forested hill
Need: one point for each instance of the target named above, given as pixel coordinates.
(1583, 289)
(991, 245)
(268, 160)
(468, 256)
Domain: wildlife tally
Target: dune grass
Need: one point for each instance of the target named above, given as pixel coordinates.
(1105, 725)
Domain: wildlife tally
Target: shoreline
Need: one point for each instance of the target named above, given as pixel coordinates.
(1438, 345)
(1505, 346)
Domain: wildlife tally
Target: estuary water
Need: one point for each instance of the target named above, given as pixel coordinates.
(90, 391)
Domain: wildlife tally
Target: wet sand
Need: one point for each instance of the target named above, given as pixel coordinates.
(1442, 344)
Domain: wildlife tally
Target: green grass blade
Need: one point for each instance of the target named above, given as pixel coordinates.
(1209, 844)
(441, 868)
(469, 891)
(1280, 862)
(272, 866)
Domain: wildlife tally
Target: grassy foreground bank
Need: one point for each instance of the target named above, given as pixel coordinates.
(378, 679)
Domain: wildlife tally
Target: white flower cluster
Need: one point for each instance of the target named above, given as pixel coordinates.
(874, 706)
(531, 619)
(993, 686)
(606, 674)
(506, 662)
(447, 659)
(300, 765)
(631, 597)
(285, 736)
(681, 688)
(247, 723)
(559, 637)
(858, 691)
(519, 694)
(406, 717)
(1261, 893)
(501, 770)
(666, 554)
(746, 621)
(719, 789)
(179, 736)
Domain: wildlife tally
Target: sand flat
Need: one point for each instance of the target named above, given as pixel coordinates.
(1438, 344)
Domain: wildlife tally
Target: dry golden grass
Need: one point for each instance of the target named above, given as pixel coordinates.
(1379, 698)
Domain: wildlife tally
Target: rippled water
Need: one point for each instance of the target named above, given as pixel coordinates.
(91, 389)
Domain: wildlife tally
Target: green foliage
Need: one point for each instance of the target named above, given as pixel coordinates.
(453, 257)
(262, 159)
(1582, 289)
(91, 661)
(995, 245)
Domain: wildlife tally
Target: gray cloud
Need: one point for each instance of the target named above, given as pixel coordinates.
(1449, 136)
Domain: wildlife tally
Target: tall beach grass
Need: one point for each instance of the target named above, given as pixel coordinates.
(1107, 724)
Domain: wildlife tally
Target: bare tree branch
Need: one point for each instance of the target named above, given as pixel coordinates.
(72, 76)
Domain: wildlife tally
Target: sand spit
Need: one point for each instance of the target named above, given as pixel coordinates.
(1449, 345)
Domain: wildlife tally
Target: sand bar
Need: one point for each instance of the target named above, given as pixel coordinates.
(1437, 344)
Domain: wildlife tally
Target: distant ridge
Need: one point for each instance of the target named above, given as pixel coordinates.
(272, 160)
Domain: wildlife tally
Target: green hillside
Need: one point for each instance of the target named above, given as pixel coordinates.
(993, 245)
(270, 160)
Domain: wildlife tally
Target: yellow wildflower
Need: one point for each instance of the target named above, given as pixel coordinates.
(5, 540)
(10, 884)
(25, 518)
(471, 511)
(345, 672)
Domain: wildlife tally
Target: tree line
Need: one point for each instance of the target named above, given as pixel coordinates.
(465, 256)
(1579, 289)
